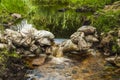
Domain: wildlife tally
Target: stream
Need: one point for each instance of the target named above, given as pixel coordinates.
(73, 67)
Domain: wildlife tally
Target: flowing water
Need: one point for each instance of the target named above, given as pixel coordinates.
(59, 40)
(74, 67)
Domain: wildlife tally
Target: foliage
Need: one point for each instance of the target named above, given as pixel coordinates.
(107, 21)
(4, 56)
(57, 16)
(8, 7)
(60, 16)
(23, 7)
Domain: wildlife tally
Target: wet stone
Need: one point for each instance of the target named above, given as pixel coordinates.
(85, 71)
(59, 66)
(33, 79)
(67, 74)
(39, 75)
(74, 71)
(1, 79)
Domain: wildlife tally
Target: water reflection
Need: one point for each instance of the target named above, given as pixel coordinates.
(59, 40)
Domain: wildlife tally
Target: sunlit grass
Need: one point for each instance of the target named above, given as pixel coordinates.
(16, 6)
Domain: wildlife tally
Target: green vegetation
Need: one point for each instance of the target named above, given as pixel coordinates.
(107, 21)
(4, 56)
(23, 7)
(8, 7)
(61, 17)
(58, 16)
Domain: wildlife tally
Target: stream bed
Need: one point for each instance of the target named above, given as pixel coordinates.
(74, 67)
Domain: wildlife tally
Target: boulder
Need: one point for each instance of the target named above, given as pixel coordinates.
(59, 52)
(43, 34)
(38, 61)
(16, 15)
(91, 38)
(84, 37)
(87, 30)
(68, 46)
(33, 47)
(55, 50)
(12, 33)
(106, 40)
(82, 44)
(74, 37)
(26, 39)
(44, 41)
(2, 45)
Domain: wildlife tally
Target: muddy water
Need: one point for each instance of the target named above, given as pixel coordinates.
(73, 67)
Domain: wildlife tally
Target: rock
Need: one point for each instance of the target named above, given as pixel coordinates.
(2, 45)
(68, 45)
(55, 49)
(43, 34)
(27, 53)
(11, 33)
(74, 71)
(33, 47)
(93, 52)
(119, 33)
(26, 42)
(28, 30)
(59, 52)
(20, 50)
(1, 35)
(38, 51)
(106, 40)
(24, 29)
(16, 15)
(114, 59)
(91, 38)
(114, 7)
(14, 36)
(74, 37)
(38, 61)
(82, 44)
(87, 30)
(118, 42)
(48, 50)
(44, 41)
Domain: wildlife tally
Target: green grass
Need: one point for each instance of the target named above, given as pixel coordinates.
(23, 7)
(7, 7)
(107, 21)
(47, 15)
(44, 14)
